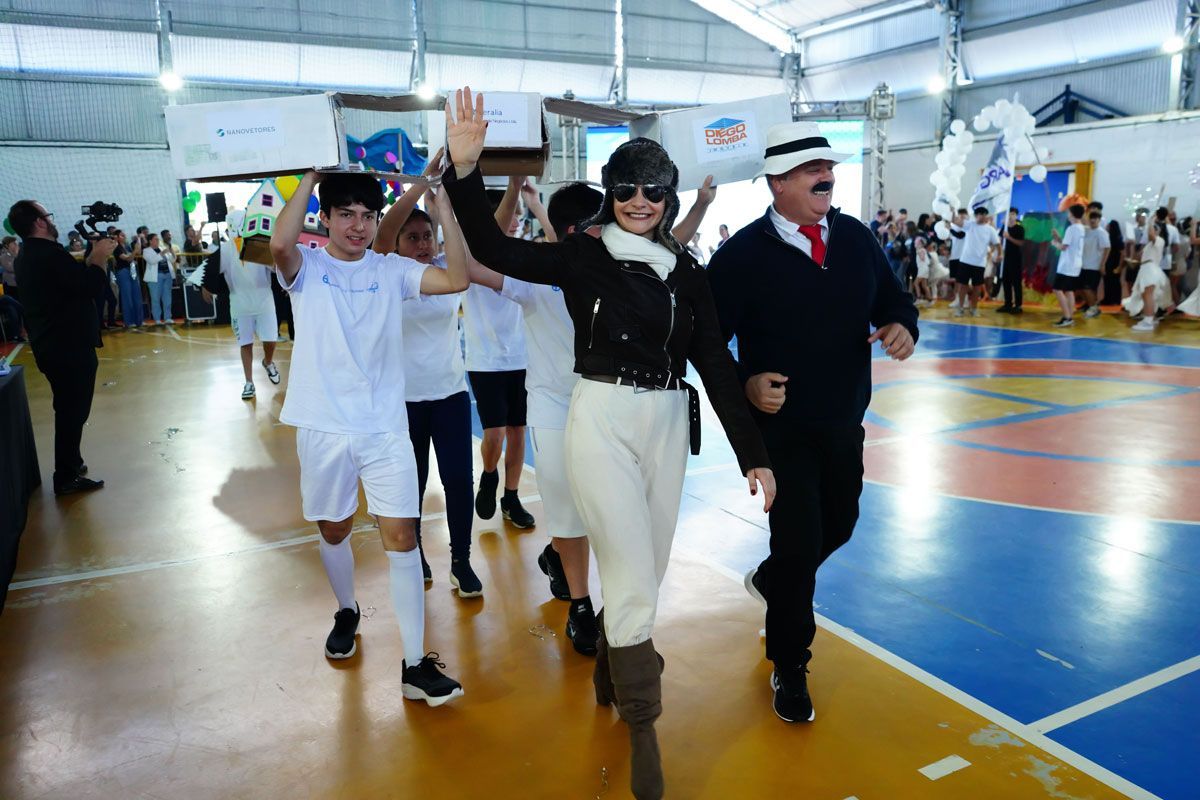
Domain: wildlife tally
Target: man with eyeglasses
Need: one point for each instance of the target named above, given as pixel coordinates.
(59, 295)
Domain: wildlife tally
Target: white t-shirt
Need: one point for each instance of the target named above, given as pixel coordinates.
(433, 359)
(494, 335)
(249, 283)
(1095, 242)
(976, 242)
(1070, 260)
(956, 244)
(347, 373)
(550, 335)
(1172, 239)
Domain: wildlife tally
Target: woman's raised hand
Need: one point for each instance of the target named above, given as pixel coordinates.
(465, 130)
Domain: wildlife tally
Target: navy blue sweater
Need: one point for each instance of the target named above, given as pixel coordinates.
(811, 324)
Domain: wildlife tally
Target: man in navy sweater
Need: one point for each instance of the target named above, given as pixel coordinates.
(801, 288)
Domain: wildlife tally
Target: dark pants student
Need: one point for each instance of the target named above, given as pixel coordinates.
(447, 423)
(73, 382)
(107, 300)
(1013, 282)
(818, 477)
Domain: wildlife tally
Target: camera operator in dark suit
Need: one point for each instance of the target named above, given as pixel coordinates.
(59, 295)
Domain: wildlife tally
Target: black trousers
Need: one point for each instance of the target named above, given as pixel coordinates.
(818, 477)
(107, 300)
(447, 424)
(73, 383)
(1013, 283)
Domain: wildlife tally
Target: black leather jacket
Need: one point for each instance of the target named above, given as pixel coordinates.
(628, 322)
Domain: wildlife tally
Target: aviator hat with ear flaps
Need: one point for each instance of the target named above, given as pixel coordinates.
(641, 162)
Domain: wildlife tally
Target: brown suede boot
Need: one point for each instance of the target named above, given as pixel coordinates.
(601, 678)
(637, 678)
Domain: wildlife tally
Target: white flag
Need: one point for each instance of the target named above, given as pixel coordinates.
(995, 185)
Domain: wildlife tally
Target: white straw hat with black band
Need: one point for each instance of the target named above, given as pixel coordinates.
(794, 143)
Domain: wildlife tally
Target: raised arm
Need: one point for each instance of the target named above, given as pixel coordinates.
(537, 263)
(508, 203)
(455, 277)
(393, 221)
(686, 228)
(534, 203)
(288, 226)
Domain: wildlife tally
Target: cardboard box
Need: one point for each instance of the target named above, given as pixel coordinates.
(518, 141)
(725, 140)
(273, 136)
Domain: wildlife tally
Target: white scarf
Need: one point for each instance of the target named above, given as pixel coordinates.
(625, 246)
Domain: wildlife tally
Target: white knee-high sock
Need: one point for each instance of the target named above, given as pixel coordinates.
(339, 566)
(408, 600)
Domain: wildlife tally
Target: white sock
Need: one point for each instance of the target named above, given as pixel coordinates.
(408, 600)
(339, 566)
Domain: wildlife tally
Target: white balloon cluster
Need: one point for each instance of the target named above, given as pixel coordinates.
(947, 177)
(1194, 175)
(1015, 122)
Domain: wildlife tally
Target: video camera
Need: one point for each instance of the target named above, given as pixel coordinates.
(98, 211)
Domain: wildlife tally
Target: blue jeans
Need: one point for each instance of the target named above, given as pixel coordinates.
(160, 299)
(447, 423)
(131, 298)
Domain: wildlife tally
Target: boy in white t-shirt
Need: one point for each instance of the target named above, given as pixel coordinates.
(1096, 245)
(1070, 264)
(346, 399)
(979, 242)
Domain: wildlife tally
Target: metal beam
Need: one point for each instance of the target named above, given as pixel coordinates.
(1184, 63)
(747, 17)
(951, 65)
(852, 18)
(619, 92)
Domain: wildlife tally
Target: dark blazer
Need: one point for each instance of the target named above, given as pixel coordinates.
(59, 295)
(807, 321)
(628, 322)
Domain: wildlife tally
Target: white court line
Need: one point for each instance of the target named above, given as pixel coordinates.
(128, 569)
(940, 353)
(174, 333)
(9, 358)
(1025, 732)
(1118, 695)
(1067, 336)
(947, 766)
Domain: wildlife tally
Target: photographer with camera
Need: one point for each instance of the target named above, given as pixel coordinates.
(59, 295)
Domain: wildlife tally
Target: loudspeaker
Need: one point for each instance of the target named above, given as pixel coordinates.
(216, 206)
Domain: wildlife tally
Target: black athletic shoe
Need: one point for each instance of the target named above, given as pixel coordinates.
(515, 513)
(582, 629)
(464, 579)
(485, 498)
(551, 566)
(1017, 310)
(424, 681)
(1004, 310)
(792, 703)
(756, 584)
(341, 643)
(426, 572)
(78, 484)
(82, 469)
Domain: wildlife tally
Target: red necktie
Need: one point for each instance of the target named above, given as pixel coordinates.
(813, 233)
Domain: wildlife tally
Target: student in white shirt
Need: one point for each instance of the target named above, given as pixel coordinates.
(160, 278)
(496, 362)
(346, 399)
(979, 242)
(1095, 251)
(435, 383)
(956, 246)
(1070, 264)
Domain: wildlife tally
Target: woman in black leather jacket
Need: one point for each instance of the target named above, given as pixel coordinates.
(642, 309)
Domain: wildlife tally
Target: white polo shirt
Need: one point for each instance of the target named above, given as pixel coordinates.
(433, 359)
(550, 337)
(347, 373)
(493, 331)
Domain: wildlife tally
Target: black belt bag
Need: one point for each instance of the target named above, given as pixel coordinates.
(673, 384)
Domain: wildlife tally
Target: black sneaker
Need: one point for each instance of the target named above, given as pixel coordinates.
(1004, 310)
(1017, 310)
(551, 566)
(426, 572)
(78, 484)
(485, 498)
(792, 703)
(426, 682)
(756, 584)
(341, 643)
(582, 629)
(464, 579)
(515, 513)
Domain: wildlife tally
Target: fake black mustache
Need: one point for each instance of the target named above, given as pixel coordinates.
(823, 186)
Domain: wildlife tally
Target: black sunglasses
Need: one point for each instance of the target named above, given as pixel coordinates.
(653, 192)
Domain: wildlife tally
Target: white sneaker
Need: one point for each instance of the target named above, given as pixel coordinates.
(248, 391)
(975, 312)
(272, 372)
(1147, 324)
(1092, 312)
(958, 312)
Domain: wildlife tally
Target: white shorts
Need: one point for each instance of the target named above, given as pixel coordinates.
(331, 465)
(264, 323)
(550, 462)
